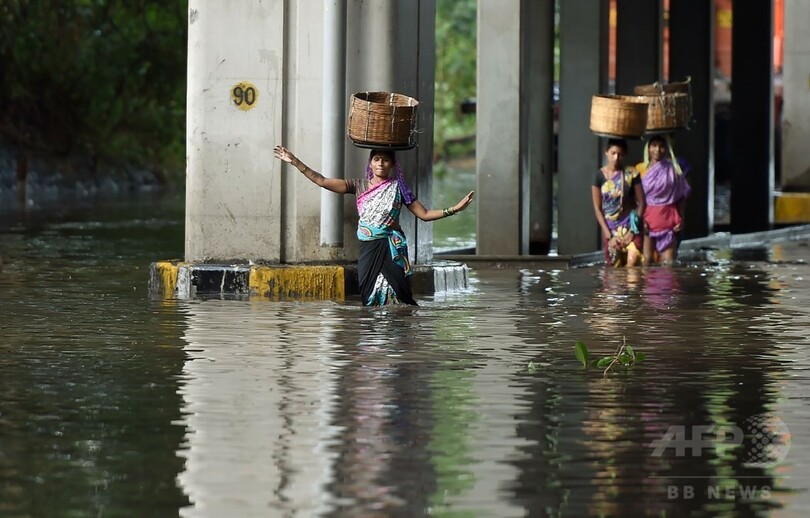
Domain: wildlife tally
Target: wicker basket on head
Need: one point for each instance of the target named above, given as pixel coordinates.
(682, 87)
(668, 112)
(384, 119)
(618, 116)
(682, 102)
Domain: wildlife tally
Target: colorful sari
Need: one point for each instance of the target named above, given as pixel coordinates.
(618, 202)
(665, 186)
(383, 266)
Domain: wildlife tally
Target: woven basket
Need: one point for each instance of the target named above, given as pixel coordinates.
(683, 87)
(618, 116)
(383, 119)
(666, 112)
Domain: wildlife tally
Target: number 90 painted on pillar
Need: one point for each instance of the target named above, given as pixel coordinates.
(244, 95)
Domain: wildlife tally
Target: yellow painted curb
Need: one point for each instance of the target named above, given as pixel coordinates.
(167, 273)
(298, 282)
(792, 207)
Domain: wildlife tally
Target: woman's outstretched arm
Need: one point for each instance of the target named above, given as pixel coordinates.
(337, 185)
(425, 214)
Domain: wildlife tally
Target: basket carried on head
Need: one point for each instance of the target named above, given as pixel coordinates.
(657, 88)
(673, 110)
(382, 120)
(667, 112)
(618, 116)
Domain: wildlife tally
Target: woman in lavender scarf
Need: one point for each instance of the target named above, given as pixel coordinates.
(666, 189)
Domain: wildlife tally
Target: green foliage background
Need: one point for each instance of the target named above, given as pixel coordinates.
(95, 77)
(107, 79)
(456, 31)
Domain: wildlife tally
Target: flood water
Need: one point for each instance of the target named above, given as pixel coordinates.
(472, 404)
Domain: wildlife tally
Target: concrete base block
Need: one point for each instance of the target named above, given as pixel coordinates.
(176, 279)
(791, 208)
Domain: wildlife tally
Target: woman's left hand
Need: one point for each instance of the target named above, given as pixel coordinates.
(464, 203)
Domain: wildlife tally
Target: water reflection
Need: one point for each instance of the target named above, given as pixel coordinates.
(339, 410)
(111, 402)
(257, 388)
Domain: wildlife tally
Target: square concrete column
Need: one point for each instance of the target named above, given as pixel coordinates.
(255, 79)
(752, 116)
(691, 47)
(498, 128)
(233, 186)
(796, 94)
(583, 73)
(537, 126)
(639, 45)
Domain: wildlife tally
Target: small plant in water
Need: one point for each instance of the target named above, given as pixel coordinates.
(625, 356)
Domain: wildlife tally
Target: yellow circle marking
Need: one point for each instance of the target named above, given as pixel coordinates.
(244, 95)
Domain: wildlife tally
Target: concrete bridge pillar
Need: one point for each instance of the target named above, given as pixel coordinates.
(752, 176)
(514, 128)
(796, 94)
(256, 79)
(691, 48)
(638, 52)
(583, 72)
(236, 92)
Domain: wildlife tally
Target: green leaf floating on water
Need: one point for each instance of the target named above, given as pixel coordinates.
(581, 352)
(625, 356)
(604, 362)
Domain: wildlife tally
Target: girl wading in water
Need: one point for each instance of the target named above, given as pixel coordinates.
(618, 201)
(383, 267)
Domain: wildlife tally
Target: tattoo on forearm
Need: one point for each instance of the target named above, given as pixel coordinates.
(313, 175)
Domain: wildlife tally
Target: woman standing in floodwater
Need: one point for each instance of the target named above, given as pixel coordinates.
(383, 266)
(663, 177)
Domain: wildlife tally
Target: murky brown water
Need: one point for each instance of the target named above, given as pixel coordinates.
(472, 404)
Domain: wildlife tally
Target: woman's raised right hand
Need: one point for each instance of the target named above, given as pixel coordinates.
(282, 153)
